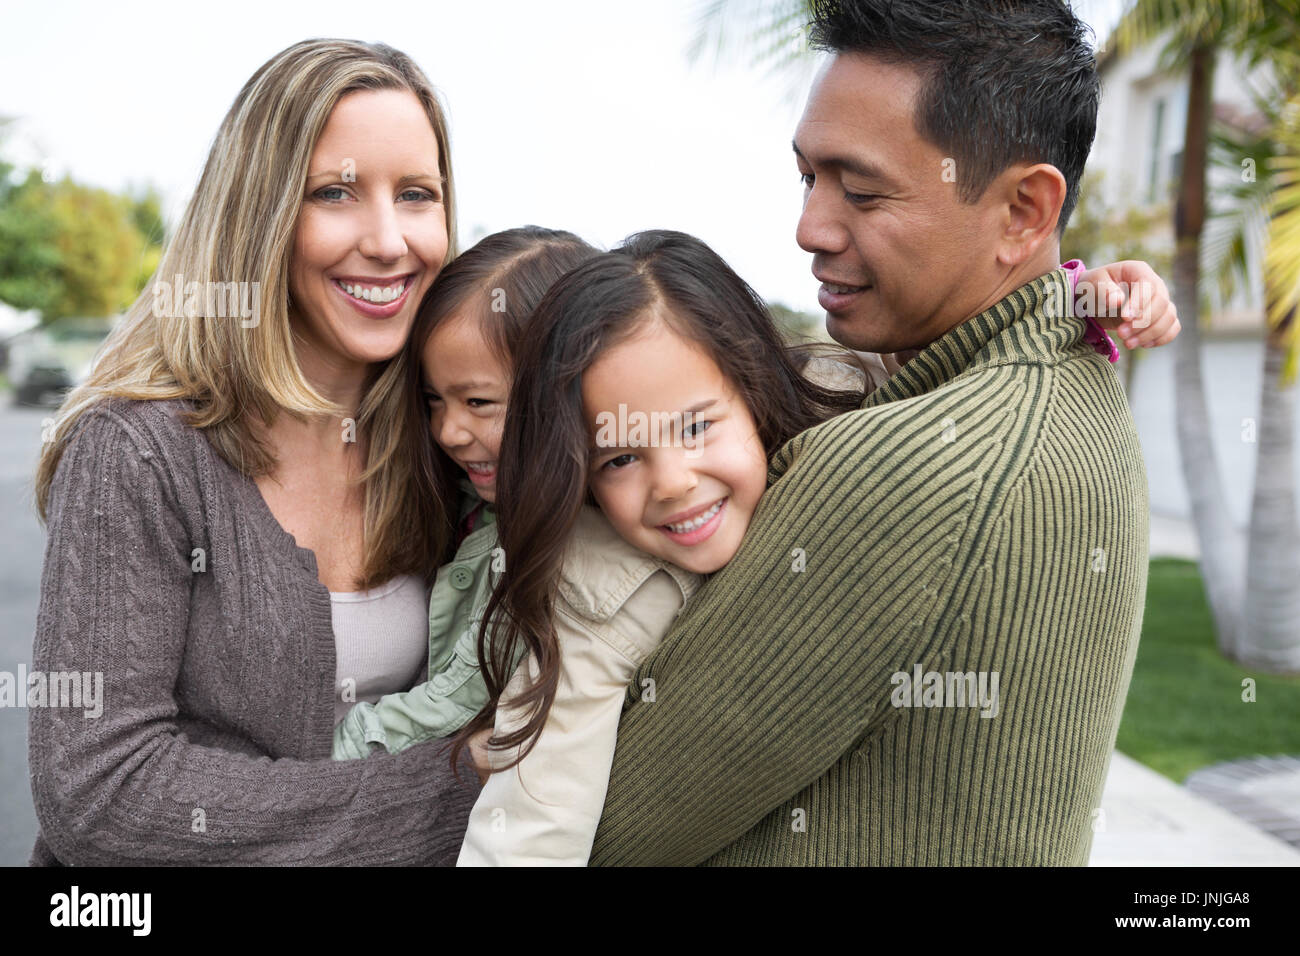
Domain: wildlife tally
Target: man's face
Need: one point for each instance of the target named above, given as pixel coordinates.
(901, 258)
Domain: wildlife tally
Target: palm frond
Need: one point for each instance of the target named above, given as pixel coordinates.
(772, 34)
(1282, 261)
(1237, 228)
(1239, 25)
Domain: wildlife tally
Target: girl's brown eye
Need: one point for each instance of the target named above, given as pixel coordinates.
(626, 459)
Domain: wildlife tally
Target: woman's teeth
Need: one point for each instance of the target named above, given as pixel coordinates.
(841, 289)
(696, 522)
(481, 468)
(379, 294)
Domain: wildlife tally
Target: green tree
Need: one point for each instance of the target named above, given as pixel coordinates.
(68, 249)
(29, 254)
(100, 249)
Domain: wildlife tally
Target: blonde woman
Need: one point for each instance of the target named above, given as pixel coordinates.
(234, 546)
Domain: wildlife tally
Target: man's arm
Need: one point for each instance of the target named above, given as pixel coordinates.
(783, 662)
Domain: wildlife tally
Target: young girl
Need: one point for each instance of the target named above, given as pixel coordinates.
(653, 389)
(462, 354)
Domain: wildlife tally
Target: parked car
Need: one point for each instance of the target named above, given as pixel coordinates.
(45, 362)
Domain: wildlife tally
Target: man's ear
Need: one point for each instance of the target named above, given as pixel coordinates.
(1031, 198)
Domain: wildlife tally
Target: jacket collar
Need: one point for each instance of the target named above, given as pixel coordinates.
(601, 570)
(1033, 325)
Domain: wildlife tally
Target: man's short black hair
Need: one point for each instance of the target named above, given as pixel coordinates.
(1005, 81)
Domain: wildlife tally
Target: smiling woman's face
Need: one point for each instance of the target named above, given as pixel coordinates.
(372, 233)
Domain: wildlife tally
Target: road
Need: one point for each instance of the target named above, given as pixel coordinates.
(22, 544)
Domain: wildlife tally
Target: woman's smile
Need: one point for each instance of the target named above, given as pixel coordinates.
(378, 298)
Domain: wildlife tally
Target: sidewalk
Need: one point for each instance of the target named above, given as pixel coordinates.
(1148, 820)
(1173, 537)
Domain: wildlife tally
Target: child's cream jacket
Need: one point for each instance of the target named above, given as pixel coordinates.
(615, 604)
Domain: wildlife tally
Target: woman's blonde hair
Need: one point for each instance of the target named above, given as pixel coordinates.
(240, 225)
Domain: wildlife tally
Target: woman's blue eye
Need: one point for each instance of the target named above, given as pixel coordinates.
(420, 194)
(694, 428)
(320, 193)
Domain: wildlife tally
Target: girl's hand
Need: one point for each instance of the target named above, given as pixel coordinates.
(1131, 300)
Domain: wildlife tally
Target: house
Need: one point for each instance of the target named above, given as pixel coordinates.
(1139, 151)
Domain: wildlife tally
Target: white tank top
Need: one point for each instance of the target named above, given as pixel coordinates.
(381, 640)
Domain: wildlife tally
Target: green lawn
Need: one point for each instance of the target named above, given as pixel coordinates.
(1184, 707)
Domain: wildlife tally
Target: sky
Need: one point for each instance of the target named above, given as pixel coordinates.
(585, 115)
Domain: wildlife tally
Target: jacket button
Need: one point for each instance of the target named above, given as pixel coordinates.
(461, 577)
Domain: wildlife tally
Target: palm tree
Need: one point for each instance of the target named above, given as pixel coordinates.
(1252, 582)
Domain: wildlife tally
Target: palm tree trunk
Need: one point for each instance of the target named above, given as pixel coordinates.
(1221, 545)
(1271, 640)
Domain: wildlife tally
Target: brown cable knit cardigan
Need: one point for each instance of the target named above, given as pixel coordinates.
(214, 742)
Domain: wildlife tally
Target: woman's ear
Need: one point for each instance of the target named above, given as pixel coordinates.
(1031, 198)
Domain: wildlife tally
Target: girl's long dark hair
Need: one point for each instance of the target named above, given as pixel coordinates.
(502, 278)
(543, 465)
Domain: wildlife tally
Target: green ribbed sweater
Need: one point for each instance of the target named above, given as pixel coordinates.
(985, 511)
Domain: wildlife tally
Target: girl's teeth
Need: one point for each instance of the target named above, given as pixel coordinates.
(481, 469)
(374, 293)
(696, 522)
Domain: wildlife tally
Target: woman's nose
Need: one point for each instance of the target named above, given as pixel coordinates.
(383, 238)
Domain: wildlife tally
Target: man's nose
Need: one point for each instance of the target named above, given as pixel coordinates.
(820, 228)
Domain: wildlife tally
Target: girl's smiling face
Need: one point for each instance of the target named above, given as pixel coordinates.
(686, 498)
(372, 232)
(466, 388)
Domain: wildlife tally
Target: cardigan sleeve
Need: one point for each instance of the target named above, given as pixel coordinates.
(783, 662)
(139, 783)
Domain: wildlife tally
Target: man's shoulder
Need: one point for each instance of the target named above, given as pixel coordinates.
(886, 429)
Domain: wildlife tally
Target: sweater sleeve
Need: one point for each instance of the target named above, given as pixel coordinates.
(141, 784)
(436, 708)
(783, 662)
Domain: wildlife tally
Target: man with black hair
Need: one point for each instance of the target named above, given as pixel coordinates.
(980, 522)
